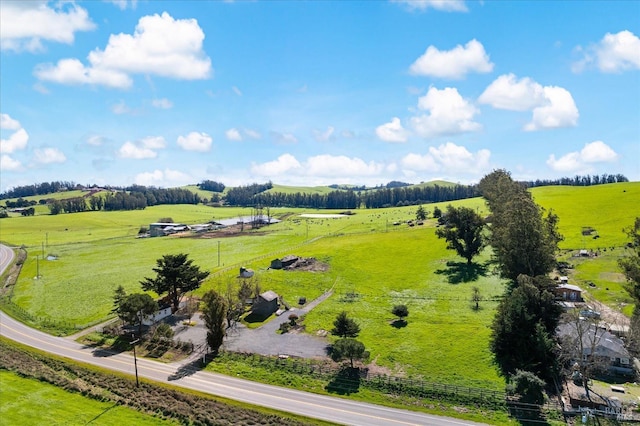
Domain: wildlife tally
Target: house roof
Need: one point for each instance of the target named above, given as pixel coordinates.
(600, 340)
(569, 287)
(269, 295)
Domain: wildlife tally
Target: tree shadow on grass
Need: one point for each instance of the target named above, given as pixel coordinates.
(399, 323)
(463, 272)
(345, 382)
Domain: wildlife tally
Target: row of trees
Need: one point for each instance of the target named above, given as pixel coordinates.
(524, 240)
(578, 180)
(134, 198)
(38, 189)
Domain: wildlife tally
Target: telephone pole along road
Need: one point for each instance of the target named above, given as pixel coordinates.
(331, 409)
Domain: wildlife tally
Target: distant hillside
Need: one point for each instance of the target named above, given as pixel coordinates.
(605, 209)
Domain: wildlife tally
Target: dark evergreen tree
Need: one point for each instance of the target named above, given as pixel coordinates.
(523, 329)
(523, 240)
(214, 314)
(350, 349)
(630, 265)
(175, 275)
(344, 326)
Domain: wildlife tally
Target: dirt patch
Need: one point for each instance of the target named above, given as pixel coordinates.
(310, 264)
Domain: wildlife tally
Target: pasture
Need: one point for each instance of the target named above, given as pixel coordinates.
(373, 265)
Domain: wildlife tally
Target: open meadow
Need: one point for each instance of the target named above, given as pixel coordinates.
(374, 264)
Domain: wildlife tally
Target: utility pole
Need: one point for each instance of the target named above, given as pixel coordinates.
(37, 267)
(135, 359)
(218, 253)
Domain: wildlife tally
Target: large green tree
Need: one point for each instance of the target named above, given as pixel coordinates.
(214, 314)
(523, 329)
(350, 349)
(630, 265)
(344, 326)
(175, 275)
(524, 240)
(463, 231)
(135, 307)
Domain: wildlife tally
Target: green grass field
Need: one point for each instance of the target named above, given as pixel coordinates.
(380, 263)
(605, 208)
(31, 402)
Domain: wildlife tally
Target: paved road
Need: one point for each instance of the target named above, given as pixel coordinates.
(6, 257)
(337, 410)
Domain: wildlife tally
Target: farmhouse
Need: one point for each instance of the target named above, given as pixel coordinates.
(598, 345)
(266, 303)
(568, 292)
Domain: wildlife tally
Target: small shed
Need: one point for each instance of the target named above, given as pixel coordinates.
(266, 303)
(245, 273)
(584, 253)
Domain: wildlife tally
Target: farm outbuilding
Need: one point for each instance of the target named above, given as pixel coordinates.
(160, 229)
(266, 303)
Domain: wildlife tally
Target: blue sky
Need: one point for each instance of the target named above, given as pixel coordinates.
(167, 93)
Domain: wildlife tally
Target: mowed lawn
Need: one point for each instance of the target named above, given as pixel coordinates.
(31, 402)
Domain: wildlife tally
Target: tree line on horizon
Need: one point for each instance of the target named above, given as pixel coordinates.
(394, 194)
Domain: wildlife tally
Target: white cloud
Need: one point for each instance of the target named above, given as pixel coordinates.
(285, 164)
(142, 149)
(8, 123)
(450, 158)
(559, 110)
(7, 163)
(448, 114)
(340, 165)
(195, 141)
(614, 53)
(49, 156)
(323, 136)
(26, 23)
(552, 106)
(444, 5)
(582, 161)
(123, 4)
(455, 63)
(320, 166)
(392, 131)
(162, 103)
(17, 141)
(233, 135)
(507, 92)
(160, 45)
(236, 91)
(283, 138)
(163, 178)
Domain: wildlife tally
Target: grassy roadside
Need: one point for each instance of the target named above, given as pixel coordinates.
(151, 398)
(30, 401)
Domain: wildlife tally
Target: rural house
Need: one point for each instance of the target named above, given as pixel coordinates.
(598, 345)
(568, 292)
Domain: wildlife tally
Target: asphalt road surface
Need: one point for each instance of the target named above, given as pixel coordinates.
(337, 410)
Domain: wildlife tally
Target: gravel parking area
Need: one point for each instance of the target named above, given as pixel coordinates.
(263, 340)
